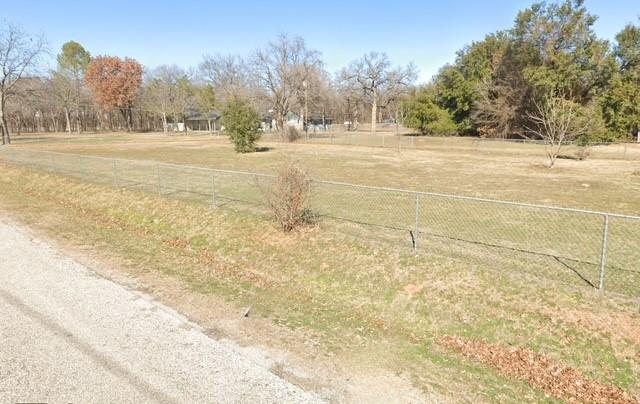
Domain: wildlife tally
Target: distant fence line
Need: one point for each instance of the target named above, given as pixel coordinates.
(400, 141)
(388, 140)
(597, 249)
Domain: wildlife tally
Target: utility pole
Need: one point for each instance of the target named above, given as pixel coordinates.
(306, 109)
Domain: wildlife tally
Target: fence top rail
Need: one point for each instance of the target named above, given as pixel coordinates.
(368, 187)
(477, 199)
(152, 162)
(212, 170)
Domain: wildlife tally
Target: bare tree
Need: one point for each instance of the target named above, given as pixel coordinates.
(378, 81)
(33, 105)
(169, 92)
(229, 75)
(281, 69)
(351, 101)
(19, 55)
(557, 121)
(62, 87)
(158, 94)
(320, 96)
(497, 112)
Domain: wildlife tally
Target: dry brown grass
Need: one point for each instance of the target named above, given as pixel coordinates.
(356, 297)
(508, 172)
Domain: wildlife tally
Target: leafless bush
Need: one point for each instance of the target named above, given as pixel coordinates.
(567, 156)
(289, 197)
(583, 152)
(292, 134)
(557, 121)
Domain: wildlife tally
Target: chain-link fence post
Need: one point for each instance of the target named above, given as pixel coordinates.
(213, 189)
(52, 162)
(416, 234)
(189, 182)
(603, 256)
(82, 168)
(115, 174)
(158, 178)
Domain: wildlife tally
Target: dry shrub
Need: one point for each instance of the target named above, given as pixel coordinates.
(563, 156)
(289, 197)
(583, 153)
(292, 134)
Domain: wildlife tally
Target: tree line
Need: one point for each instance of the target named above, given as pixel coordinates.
(549, 73)
(108, 92)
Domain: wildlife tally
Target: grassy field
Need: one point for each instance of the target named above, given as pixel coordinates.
(502, 170)
(359, 296)
(559, 245)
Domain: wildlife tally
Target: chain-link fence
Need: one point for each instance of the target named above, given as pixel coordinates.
(399, 140)
(595, 249)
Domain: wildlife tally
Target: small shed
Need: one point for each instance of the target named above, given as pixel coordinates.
(319, 123)
(204, 121)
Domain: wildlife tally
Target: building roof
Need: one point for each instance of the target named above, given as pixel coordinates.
(204, 116)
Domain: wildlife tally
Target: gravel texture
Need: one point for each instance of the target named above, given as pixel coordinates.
(68, 335)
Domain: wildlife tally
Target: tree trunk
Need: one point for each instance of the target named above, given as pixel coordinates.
(66, 116)
(78, 120)
(184, 123)
(126, 114)
(164, 122)
(553, 152)
(3, 122)
(374, 111)
(6, 136)
(280, 124)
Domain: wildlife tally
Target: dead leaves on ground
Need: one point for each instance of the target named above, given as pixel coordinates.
(539, 371)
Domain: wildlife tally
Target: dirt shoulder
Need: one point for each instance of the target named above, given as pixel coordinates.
(119, 345)
(295, 356)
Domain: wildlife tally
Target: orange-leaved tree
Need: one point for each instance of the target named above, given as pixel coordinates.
(115, 83)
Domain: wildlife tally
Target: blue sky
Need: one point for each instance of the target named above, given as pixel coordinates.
(427, 33)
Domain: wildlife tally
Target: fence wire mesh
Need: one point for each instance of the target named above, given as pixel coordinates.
(403, 139)
(388, 137)
(594, 249)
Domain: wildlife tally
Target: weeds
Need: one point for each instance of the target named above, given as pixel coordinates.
(289, 197)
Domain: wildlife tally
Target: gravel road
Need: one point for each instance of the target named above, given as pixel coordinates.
(68, 335)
